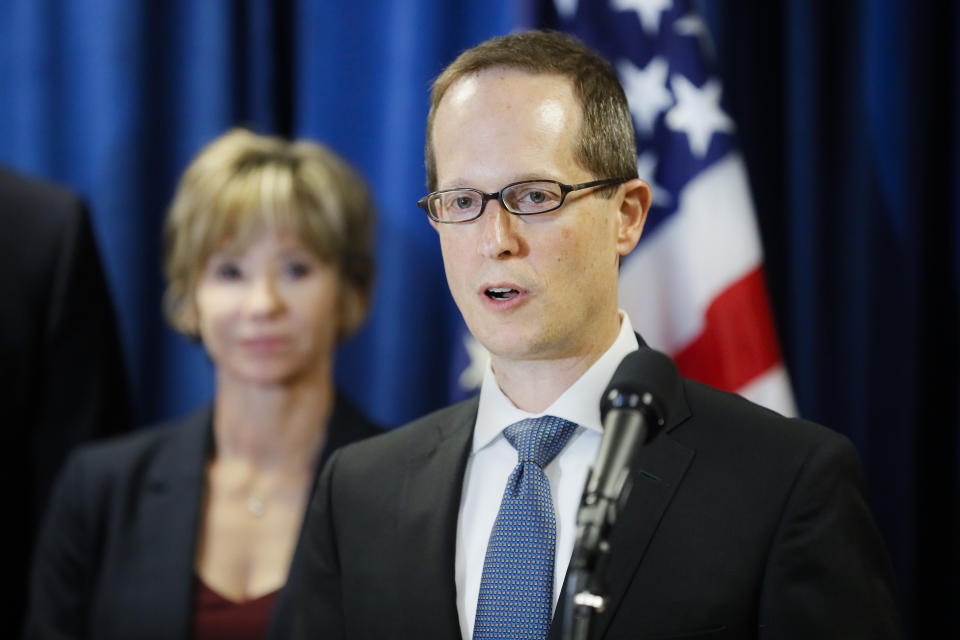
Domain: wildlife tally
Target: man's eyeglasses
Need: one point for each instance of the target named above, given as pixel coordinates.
(524, 198)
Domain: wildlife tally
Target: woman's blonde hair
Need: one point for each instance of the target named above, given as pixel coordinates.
(242, 184)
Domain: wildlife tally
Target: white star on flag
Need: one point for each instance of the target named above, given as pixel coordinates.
(693, 25)
(471, 377)
(648, 10)
(697, 112)
(646, 91)
(566, 8)
(646, 169)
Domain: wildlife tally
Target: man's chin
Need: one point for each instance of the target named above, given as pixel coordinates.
(504, 345)
(515, 337)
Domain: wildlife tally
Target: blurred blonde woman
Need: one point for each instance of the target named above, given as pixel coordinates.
(187, 529)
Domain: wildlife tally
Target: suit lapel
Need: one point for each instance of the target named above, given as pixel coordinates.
(659, 469)
(656, 477)
(167, 526)
(655, 474)
(430, 504)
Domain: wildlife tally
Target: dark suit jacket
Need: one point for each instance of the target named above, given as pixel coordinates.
(741, 524)
(61, 370)
(116, 554)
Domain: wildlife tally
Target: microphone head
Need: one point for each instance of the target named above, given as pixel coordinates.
(643, 382)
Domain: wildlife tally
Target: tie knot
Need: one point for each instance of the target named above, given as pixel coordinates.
(539, 440)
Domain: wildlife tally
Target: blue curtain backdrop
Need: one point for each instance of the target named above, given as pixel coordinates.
(847, 115)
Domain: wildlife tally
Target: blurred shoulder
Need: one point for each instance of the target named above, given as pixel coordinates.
(42, 198)
(417, 437)
(118, 459)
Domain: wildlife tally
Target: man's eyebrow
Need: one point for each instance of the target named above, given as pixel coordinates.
(457, 183)
(467, 184)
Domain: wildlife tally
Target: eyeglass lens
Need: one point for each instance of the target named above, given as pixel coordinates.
(522, 198)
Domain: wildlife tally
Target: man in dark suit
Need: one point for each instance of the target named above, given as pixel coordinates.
(741, 523)
(61, 379)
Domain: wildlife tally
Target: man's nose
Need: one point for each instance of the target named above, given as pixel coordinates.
(499, 237)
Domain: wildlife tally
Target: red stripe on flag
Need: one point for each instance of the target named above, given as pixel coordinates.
(738, 342)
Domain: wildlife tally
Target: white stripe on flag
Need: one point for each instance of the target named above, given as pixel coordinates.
(772, 390)
(711, 241)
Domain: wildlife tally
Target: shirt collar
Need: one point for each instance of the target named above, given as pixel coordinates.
(580, 403)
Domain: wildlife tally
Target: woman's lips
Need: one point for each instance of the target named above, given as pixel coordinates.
(265, 343)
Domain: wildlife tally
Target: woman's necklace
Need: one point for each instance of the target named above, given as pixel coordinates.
(279, 491)
(256, 505)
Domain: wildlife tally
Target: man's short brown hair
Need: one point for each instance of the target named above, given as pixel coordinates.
(605, 144)
(242, 184)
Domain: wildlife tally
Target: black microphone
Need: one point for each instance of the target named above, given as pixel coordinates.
(633, 411)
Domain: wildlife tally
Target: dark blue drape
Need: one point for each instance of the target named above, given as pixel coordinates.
(847, 116)
(113, 97)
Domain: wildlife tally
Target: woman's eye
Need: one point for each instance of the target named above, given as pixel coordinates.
(228, 271)
(537, 197)
(297, 269)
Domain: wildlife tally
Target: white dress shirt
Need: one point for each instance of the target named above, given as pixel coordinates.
(492, 459)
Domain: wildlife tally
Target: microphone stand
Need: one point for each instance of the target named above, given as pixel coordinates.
(630, 414)
(586, 577)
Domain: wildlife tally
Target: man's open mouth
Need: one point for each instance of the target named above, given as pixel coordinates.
(501, 293)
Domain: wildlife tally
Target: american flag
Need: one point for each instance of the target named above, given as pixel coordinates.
(694, 286)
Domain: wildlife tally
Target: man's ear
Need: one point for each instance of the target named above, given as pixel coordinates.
(634, 206)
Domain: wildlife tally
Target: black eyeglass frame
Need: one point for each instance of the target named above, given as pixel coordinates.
(498, 196)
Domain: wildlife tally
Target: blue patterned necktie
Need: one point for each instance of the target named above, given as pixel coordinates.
(516, 587)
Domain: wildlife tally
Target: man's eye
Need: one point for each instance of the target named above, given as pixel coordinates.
(531, 198)
(463, 202)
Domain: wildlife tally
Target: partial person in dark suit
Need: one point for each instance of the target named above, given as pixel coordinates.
(186, 530)
(62, 379)
(741, 523)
